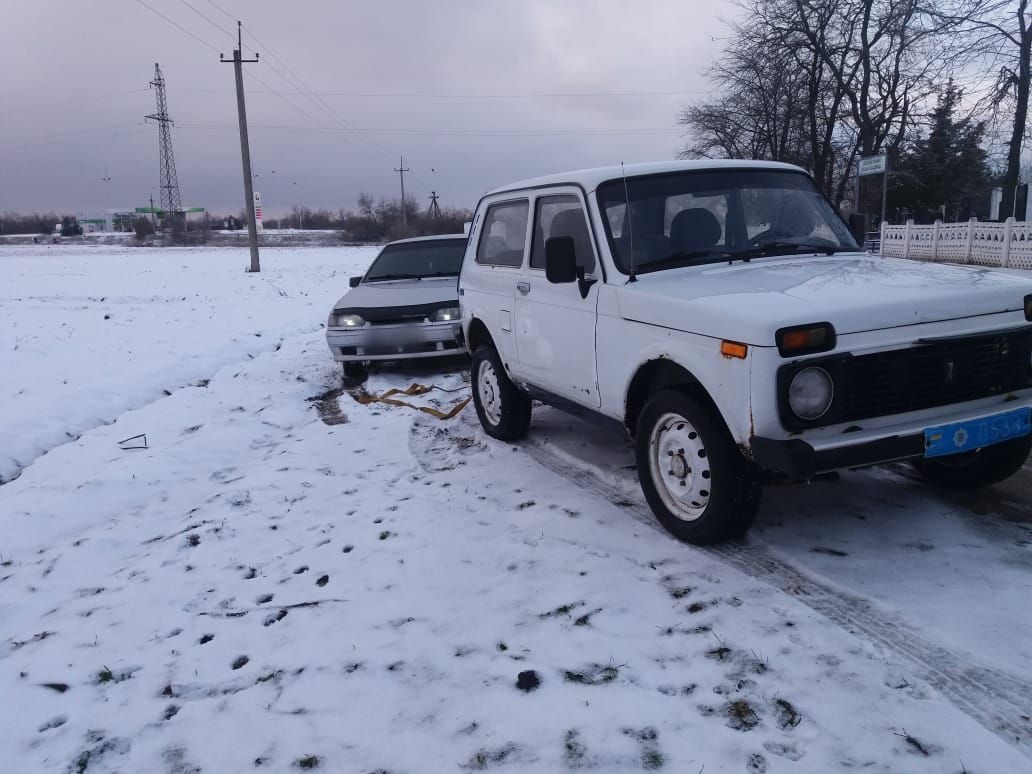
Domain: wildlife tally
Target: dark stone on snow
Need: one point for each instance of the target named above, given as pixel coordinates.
(528, 681)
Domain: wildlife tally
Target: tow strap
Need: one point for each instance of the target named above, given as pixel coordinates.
(366, 398)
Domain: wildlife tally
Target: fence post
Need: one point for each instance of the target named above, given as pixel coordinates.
(881, 241)
(906, 238)
(935, 240)
(970, 248)
(1008, 228)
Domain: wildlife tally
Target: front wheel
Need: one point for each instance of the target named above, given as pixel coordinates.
(976, 469)
(504, 410)
(694, 478)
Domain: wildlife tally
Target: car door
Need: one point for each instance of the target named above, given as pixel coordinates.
(555, 325)
(488, 286)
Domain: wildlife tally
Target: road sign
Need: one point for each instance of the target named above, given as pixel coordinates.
(871, 165)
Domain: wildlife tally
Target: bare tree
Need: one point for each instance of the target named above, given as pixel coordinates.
(819, 82)
(997, 40)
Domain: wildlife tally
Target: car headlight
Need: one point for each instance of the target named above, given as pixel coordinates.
(448, 314)
(347, 321)
(810, 393)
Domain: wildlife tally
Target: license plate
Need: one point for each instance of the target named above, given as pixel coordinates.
(975, 433)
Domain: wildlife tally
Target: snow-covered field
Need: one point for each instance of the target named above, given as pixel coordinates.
(288, 578)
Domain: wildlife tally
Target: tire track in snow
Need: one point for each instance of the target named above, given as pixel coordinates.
(997, 700)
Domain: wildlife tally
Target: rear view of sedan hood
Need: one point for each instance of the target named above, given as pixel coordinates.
(856, 293)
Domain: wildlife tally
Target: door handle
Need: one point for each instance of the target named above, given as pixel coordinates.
(523, 287)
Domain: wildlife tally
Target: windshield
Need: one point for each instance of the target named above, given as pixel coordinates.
(415, 260)
(707, 216)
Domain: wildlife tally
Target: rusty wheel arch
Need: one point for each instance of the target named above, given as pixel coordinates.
(661, 374)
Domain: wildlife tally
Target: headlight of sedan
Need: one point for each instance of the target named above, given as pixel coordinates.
(448, 314)
(346, 321)
(810, 393)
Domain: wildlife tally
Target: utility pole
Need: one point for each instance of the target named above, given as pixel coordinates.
(434, 210)
(245, 149)
(404, 214)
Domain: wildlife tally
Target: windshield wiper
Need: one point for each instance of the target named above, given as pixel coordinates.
(441, 274)
(782, 247)
(680, 258)
(383, 277)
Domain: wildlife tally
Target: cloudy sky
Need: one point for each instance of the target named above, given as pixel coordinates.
(473, 93)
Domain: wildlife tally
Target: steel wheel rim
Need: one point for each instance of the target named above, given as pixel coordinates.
(489, 392)
(679, 466)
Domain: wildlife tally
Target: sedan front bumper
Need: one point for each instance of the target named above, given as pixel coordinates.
(394, 342)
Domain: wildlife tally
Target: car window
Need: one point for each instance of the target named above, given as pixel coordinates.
(504, 234)
(562, 216)
(703, 216)
(411, 260)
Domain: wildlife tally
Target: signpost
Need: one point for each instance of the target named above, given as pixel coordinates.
(873, 165)
(258, 213)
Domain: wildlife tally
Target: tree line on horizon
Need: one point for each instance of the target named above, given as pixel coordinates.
(374, 220)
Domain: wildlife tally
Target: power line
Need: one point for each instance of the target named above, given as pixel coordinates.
(178, 26)
(300, 83)
(221, 10)
(78, 100)
(58, 135)
(471, 95)
(76, 137)
(208, 19)
(271, 90)
(531, 132)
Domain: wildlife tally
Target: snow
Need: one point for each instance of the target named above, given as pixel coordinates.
(388, 575)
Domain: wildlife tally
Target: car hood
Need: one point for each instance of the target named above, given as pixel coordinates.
(375, 295)
(748, 302)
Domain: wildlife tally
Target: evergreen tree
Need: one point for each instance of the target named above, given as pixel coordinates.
(948, 169)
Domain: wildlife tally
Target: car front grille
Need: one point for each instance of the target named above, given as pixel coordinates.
(934, 374)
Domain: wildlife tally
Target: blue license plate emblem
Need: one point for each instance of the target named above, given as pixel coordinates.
(973, 434)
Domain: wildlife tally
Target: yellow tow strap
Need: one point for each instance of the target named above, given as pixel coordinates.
(365, 399)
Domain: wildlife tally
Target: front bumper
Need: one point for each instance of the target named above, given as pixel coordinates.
(823, 452)
(799, 459)
(394, 342)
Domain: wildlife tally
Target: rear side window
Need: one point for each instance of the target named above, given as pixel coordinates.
(504, 235)
(562, 216)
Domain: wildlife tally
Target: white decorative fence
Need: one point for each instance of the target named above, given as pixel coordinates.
(1007, 244)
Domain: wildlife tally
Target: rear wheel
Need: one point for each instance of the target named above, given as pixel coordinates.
(503, 409)
(976, 469)
(694, 478)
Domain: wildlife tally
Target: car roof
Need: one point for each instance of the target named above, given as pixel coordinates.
(433, 238)
(590, 179)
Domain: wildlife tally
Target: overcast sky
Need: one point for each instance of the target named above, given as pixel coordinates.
(473, 93)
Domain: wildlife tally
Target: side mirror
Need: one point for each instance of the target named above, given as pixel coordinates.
(354, 282)
(560, 260)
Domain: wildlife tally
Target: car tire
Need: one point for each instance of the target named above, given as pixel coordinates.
(695, 480)
(503, 409)
(974, 470)
(355, 369)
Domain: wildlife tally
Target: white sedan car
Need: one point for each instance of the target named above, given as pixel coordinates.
(405, 306)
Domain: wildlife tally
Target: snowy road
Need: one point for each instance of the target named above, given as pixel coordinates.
(281, 581)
